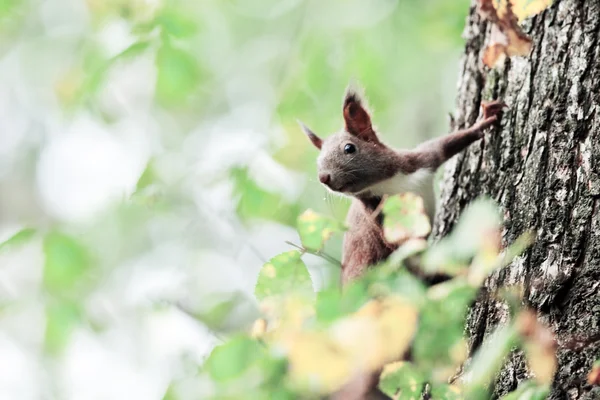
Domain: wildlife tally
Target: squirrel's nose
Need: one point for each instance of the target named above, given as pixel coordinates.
(324, 178)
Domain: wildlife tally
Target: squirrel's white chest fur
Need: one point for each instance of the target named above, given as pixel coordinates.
(419, 182)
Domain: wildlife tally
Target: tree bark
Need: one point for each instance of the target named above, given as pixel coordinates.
(542, 166)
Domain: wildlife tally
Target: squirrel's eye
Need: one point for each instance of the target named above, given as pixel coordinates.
(349, 148)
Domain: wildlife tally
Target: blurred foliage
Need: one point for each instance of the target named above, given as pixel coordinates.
(151, 169)
(371, 324)
(405, 218)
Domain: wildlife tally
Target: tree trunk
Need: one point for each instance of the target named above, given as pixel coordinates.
(543, 168)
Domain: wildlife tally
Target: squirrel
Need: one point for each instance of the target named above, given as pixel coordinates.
(355, 162)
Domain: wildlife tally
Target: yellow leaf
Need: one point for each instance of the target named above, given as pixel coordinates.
(259, 328)
(317, 361)
(507, 37)
(396, 323)
(528, 8)
(542, 362)
(365, 341)
(290, 313)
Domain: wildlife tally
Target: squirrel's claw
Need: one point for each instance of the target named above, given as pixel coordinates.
(492, 108)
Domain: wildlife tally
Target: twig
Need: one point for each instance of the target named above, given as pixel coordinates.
(379, 207)
(317, 253)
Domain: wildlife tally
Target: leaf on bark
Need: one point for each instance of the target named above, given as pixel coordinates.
(507, 37)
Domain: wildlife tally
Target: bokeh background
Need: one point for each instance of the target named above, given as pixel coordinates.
(150, 163)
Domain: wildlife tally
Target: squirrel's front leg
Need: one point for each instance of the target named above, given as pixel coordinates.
(434, 153)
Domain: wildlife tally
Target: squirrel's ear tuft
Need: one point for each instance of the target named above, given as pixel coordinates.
(316, 141)
(357, 118)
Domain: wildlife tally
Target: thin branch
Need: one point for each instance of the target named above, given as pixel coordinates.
(379, 207)
(317, 253)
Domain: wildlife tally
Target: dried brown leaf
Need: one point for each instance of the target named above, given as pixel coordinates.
(507, 37)
(528, 8)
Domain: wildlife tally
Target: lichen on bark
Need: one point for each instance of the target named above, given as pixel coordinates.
(542, 166)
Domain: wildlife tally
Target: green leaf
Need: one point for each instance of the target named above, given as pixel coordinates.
(315, 229)
(18, 238)
(452, 255)
(442, 324)
(133, 50)
(178, 74)
(283, 274)
(328, 306)
(408, 249)
(404, 218)
(98, 68)
(147, 178)
(170, 393)
(480, 219)
(176, 24)
(489, 358)
(61, 318)
(402, 378)
(332, 303)
(66, 263)
(7, 6)
(517, 248)
(446, 392)
(255, 202)
(215, 315)
(230, 360)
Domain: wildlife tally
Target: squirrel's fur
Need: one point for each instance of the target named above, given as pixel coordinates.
(373, 170)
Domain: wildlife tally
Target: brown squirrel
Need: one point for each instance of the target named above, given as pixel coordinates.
(355, 162)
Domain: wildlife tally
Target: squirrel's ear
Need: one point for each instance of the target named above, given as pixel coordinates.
(311, 135)
(358, 121)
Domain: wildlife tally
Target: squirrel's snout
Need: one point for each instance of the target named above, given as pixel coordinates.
(325, 178)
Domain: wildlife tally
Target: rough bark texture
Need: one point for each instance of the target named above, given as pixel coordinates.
(543, 167)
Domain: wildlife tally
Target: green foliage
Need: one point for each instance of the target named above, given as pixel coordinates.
(475, 230)
(18, 238)
(178, 74)
(403, 379)
(61, 318)
(445, 392)
(315, 229)
(326, 339)
(230, 360)
(447, 306)
(175, 23)
(488, 360)
(256, 202)
(67, 262)
(405, 218)
(283, 274)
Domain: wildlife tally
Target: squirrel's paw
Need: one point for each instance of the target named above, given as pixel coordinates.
(492, 108)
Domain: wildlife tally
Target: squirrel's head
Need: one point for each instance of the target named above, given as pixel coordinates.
(353, 159)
